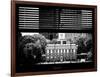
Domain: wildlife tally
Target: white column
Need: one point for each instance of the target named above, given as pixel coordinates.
(67, 53)
(64, 54)
(74, 51)
(47, 55)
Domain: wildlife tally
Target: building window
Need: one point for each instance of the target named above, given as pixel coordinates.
(64, 42)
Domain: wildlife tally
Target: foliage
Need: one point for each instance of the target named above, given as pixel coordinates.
(31, 48)
(53, 41)
(89, 55)
(89, 44)
(84, 45)
(81, 45)
(40, 40)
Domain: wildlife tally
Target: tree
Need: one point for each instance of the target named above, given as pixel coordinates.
(89, 49)
(53, 41)
(31, 48)
(89, 45)
(89, 55)
(81, 46)
(40, 40)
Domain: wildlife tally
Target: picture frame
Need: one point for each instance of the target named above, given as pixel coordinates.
(60, 14)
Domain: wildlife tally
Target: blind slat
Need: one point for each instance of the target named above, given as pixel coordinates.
(54, 18)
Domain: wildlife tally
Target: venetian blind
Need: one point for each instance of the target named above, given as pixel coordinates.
(54, 18)
(28, 18)
(75, 19)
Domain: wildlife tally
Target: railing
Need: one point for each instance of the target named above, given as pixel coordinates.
(60, 53)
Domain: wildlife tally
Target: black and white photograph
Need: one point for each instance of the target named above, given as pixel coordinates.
(55, 48)
(50, 38)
